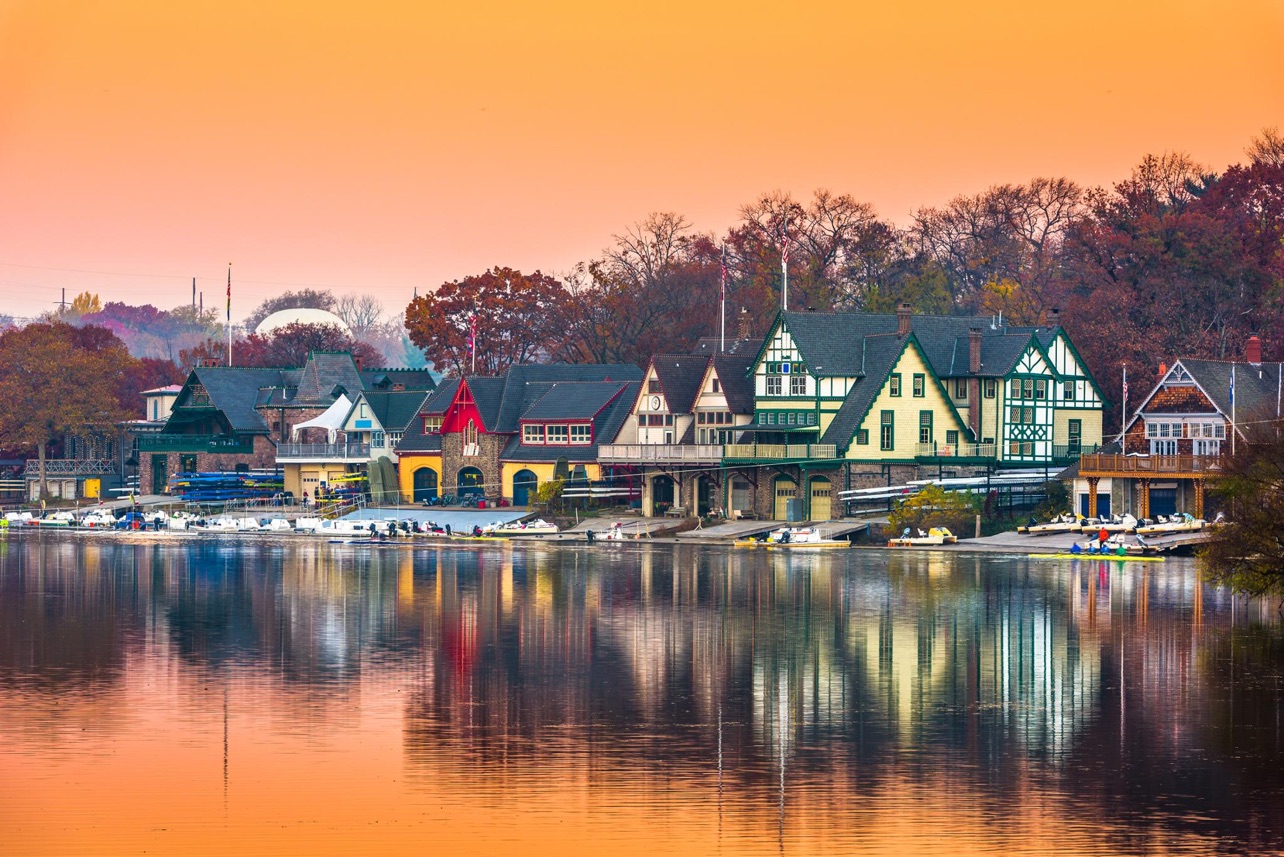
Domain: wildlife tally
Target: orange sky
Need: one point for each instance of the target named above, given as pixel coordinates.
(379, 146)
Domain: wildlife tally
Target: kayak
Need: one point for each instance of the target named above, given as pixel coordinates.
(1109, 557)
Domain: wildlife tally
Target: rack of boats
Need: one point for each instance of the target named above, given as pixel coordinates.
(1161, 524)
(158, 521)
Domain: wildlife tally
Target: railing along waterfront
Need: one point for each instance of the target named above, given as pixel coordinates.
(327, 451)
(1143, 464)
(71, 467)
(659, 452)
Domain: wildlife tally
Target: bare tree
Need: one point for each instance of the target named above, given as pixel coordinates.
(1267, 148)
(363, 314)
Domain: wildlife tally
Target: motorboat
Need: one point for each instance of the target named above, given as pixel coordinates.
(794, 537)
(934, 536)
(532, 527)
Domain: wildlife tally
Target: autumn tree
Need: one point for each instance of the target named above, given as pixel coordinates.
(518, 318)
(57, 379)
(291, 344)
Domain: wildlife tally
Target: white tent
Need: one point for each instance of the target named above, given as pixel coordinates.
(332, 420)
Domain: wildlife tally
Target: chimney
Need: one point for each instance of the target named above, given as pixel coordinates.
(1163, 370)
(1253, 350)
(358, 360)
(398, 388)
(1054, 317)
(903, 313)
(743, 332)
(974, 382)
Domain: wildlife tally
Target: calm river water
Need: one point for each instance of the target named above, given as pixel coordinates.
(209, 696)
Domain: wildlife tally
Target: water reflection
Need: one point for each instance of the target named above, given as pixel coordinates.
(863, 702)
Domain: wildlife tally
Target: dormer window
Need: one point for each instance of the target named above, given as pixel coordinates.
(533, 434)
(432, 425)
(653, 385)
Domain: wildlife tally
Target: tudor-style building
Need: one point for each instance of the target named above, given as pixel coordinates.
(688, 408)
(498, 438)
(854, 400)
(1171, 445)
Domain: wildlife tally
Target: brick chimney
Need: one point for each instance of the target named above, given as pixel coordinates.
(1054, 317)
(903, 313)
(398, 388)
(356, 359)
(974, 382)
(744, 322)
(1253, 350)
(1163, 370)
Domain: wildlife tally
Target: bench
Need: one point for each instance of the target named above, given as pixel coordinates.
(676, 512)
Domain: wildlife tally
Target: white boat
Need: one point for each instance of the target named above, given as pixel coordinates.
(1179, 523)
(794, 537)
(1115, 524)
(533, 527)
(1066, 523)
(98, 519)
(934, 536)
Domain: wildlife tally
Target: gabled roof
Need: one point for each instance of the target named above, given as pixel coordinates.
(879, 354)
(737, 383)
(502, 400)
(324, 375)
(1256, 387)
(234, 391)
(680, 376)
(439, 399)
(395, 409)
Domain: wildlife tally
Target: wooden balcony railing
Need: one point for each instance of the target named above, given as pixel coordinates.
(956, 450)
(323, 451)
(779, 451)
(659, 453)
(1144, 465)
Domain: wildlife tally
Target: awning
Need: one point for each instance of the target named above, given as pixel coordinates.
(332, 420)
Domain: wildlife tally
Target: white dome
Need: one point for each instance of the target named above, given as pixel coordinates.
(300, 315)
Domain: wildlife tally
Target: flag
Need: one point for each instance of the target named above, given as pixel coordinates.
(784, 254)
(1232, 386)
(724, 272)
(1125, 402)
(472, 334)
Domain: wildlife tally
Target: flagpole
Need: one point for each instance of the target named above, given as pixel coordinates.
(784, 272)
(722, 308)
(1232, 398)
(1123, 416)
(229, 313)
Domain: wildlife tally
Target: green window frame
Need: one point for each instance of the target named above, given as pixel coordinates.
(952, 438)
(1067, 391)
(862, 437)
(920, 385)
(990, 387)
(894, 384)
(924, 426)
(887, 430)
(960, 388)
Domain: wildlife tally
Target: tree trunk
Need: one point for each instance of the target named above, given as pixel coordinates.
(40, 454)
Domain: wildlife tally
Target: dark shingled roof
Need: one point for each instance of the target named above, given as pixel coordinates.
(877, 358)
(439, 400)
(680, 376)
(1256, 387)
(606, 424)
(324, 372)
(235, 391)
(572, 400)
(395, 409)
(414, 440)
(737, 383)
(386, 379)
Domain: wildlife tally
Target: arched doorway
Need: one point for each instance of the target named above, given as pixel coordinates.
(471, 484)
(706, 495)
(822, 493)
(662, 494)
(524, 484)
(786, 495)
(425, 485)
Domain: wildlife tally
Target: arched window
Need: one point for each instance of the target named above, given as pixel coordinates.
(470, 433)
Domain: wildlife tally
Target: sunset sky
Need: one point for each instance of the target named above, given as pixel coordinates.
(382, 146)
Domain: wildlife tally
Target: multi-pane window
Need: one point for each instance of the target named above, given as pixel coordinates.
(653, 385)
(533, 434)
(775, 385)
(960, 388)
(432, 425)
(924, 426)
(717, 386)
(990, 387)
(581, 434)
(894, 384)
(920, 386)
(1067, 391)
(952, 438)
(556, 434)
(862, 437)
(797, 385)
(887, 430)
(377, 439)
(470, 433)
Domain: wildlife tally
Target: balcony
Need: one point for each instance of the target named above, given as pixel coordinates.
(214, 444)
(1067, 453)
(779, 452)
(659, 453)
(319, 452)
(1144, 466)
(957, 451)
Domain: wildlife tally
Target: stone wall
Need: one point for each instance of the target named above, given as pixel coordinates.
(487, 461)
